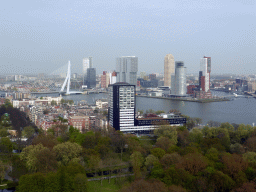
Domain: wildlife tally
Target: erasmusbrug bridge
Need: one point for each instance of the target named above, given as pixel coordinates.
(60, 81)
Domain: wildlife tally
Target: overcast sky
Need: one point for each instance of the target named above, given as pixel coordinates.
(42, 35)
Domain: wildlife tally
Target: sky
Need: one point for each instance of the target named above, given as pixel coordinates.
(41, 36)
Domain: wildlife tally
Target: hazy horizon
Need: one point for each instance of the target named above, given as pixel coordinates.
(41, 36)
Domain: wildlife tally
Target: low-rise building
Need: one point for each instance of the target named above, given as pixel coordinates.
(82, 123)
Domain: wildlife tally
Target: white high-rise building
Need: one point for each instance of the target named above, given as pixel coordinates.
(178, 79)
(121, 106)
(126, 69)
(205, 68)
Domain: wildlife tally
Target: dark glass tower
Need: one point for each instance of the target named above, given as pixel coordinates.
(91, 77)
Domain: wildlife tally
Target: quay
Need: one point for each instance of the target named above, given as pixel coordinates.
(188, 99)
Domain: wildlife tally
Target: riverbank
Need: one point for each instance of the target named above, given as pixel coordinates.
(188, 99)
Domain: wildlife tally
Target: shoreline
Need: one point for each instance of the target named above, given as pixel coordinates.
(189, 100)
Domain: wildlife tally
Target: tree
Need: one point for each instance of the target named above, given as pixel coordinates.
(150, 160)
(159, 112)
(169, 159)
(228, 126)
(65, 152)
(31, 183)
(212, 154)
(183, 138)
(193, 162)
(28, 131)
(46, 161)
(198, 120)
(6, 146)
(19, 167)
(250, 157)
(48, 140)
(30, 154)
(7, 103)
(137, 162)
(93, 163)
(167, 131)
(158, 152)
(234, 164)
(237, 148)
(3, 132)
(80, 183)
(142, 185)
(70, 102)
(164, 143)
(53, 103)
(251, 144)
(118, 141)
(213, 123)
(3, 169)
(196, 136)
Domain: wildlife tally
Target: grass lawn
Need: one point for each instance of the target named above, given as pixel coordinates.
(95, 186)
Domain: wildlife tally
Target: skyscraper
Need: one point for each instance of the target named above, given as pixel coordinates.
(121, 111)
(121, 105)
(126, 69)
(91, 77)
(169, 69)
(204, 74)
(178, 79)
(204, 91)
(87, 63)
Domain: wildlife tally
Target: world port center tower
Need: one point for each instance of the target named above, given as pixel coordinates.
(122, 109)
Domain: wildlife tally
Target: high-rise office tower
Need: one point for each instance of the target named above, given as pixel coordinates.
(126, 69)
(91, 77)
(105, 79)
(169, 69)
(121, 105)
(204, 74)
(178, 79)
(87, 63)
(90, 62)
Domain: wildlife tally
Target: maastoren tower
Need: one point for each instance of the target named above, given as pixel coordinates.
(126, 69)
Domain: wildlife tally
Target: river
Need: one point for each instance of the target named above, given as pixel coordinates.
(240, 110)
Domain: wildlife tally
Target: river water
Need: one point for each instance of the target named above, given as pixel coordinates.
(240, 110)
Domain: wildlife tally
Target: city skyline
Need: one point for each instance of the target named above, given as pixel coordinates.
(41, 36)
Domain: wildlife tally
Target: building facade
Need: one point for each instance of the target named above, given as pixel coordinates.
(82, 123)
(121, 111)
(121, 105)
(179, 87)
(126, 69)
(169, 69)
(87, 63)
(204, 74)
(91, 77)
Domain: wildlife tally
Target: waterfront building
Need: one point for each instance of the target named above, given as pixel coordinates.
(112, 77)
(121, 105)
(126, 69)
(121, 111)
(204, 74)
(169, 69)
(105, 79)
(204, 79)
(91, 78)
(87, 63)
(179, 87)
